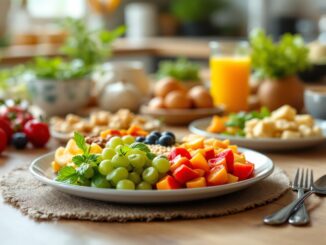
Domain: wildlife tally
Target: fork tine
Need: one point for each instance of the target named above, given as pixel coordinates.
(311, 178)
(306, 185)
(296, 178)
(302, 178)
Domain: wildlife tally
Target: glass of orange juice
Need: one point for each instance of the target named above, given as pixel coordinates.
(230, 71)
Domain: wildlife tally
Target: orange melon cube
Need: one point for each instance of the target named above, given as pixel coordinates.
(200, 172)
(199, 161)
(234, 148)
(218, 176)
(196, 144)
(216, 125)
(196, 183)
(232, 178)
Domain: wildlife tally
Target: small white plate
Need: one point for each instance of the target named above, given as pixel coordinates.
(41, 169)
(268, 144)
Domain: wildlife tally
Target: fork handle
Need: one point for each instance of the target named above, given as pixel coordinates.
(301, 216)
(282, 215)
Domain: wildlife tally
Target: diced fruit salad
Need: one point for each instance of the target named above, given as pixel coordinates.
(128, 165)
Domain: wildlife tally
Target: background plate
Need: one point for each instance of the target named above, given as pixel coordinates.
(41, 169)
(180, 116)
(268, 144)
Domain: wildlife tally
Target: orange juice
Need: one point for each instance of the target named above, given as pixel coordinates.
(230, 81)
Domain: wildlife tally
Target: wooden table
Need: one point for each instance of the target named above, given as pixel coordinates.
(242, 228)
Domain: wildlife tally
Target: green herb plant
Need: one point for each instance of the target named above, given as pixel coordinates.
(84, 49)
(195, 10)
(278, 60)
(85, 165)
(181, 69)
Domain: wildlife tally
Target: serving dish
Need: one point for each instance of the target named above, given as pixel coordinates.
(267, 144)
(41, 170)
(180, 116)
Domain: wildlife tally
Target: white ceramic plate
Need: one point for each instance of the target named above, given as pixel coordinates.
(41, 169)
(272, 144)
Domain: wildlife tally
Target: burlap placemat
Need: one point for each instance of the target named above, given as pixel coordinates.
(42, 202)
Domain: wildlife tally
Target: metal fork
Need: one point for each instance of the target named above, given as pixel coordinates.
(301, 216)
(282, 215)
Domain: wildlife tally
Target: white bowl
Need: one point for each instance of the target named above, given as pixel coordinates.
(60, 97)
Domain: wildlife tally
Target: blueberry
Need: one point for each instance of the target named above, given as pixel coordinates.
(166, 140)
(151, 139)
(19, 140)
(140, 139)
(156, 133)
(169, 134)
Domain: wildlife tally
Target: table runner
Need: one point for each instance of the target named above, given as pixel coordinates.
(42, 202)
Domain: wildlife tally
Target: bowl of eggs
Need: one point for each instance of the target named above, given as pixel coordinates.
(176, 104)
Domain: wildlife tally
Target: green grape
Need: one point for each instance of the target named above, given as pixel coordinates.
(138, 170)
(128, 139)
(125, 184)
(83, 181)
(130, 168)
(99, 181)
(144, 186)
(86, 170)
(108, 153)
(161, 164)
(150, 175)
(118, 148)
(134, 177)
(136, 151)
(105, 167)
(148, 163)
(115, 141)
(137, 160)
(120, 161)
(118, 174)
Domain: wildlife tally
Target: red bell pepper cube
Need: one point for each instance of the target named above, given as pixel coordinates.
(178, 161)
(229, 158)
(243, 170)
(179, 151)
(209, 154)
(183, 174)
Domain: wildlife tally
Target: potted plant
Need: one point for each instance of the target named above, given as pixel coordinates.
(63, 86)
(277, 65)
(194, 15)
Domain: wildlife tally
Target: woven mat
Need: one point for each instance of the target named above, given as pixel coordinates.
(42, 202)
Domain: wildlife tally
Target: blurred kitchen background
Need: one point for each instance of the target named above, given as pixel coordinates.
(156, 29)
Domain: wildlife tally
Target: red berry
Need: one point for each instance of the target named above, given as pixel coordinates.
(5, 126)
(37, 132)
(3, 140)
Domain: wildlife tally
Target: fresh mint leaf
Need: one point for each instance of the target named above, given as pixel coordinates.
(81, 143)
(67, 175)
(79, 159)
(140, 146)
